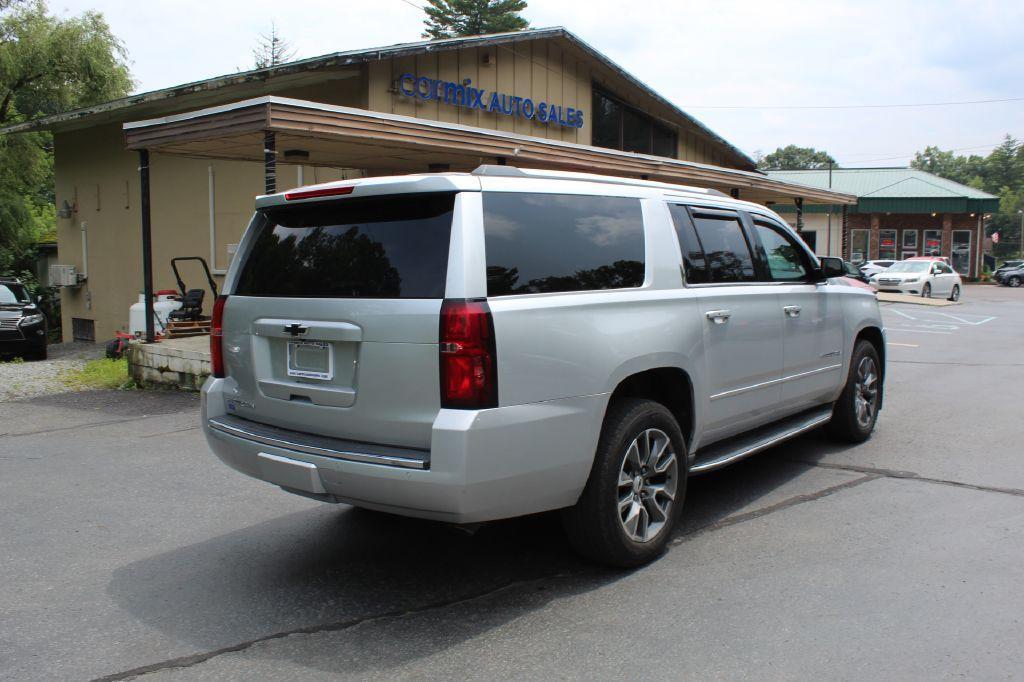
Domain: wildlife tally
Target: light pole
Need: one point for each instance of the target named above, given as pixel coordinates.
(1021, 232)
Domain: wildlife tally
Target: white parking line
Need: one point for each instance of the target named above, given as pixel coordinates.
(920, 331)
(960, 319)
(898, 312)
(908, 345)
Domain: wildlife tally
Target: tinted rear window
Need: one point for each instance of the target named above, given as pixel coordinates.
(538, 243)
(381, 247)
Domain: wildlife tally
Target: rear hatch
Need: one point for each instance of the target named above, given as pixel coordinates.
(331, 327)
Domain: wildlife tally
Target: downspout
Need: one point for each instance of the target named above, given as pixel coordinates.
(213, 222)
(85, 251)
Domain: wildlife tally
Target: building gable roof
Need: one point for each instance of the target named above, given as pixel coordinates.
(894, 190)
(77, 117)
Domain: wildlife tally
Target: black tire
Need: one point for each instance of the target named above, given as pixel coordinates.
(594, 525)
(845, 424)
(955, 294)
(113, 349)
(1013, 282)
(926, 290)
(36, 354)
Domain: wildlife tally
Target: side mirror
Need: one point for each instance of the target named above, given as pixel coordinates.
(831, 267)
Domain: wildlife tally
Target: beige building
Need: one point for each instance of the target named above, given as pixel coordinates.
(537, 98)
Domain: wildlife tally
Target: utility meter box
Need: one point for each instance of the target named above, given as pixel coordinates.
(64, 276)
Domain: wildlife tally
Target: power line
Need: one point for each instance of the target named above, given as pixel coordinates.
(903, 156)
(857, 106)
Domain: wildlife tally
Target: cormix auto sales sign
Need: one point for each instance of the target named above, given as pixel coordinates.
(466, 96)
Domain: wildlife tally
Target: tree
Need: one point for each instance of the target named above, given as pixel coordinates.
(47, 64)
(963, 169)
(454, 18)
(271, 49)
(792, 157)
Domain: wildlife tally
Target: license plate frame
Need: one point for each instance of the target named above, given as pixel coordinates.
(322, 371)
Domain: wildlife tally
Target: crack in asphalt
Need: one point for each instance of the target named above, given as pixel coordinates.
(202, 657)
(910, 476)
(88, 425)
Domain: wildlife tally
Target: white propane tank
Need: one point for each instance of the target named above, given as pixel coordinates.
(164, 302)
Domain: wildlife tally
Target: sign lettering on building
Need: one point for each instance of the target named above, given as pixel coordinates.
(466, 96)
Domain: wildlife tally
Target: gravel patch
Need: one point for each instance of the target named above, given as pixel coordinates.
(30, 379)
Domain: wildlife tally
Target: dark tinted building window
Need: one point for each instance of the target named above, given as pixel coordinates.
(619, 126)
(725, 248)
(694, 264)
(381, 247)
(540, 243)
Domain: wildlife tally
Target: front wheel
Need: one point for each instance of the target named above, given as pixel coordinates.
(631, 502)
(926, 291)
(855, 413)
(955, 294)
(1013, 282)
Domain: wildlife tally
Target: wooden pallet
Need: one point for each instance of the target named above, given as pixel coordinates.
(178, 329)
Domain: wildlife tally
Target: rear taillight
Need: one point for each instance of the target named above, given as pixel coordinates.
(217, 337)
(468, 356)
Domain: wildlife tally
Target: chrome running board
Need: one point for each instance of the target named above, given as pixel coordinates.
(718, 455)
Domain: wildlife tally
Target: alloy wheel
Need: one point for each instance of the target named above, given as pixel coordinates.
(926, 292)
(865, 392)
(955, 296)
(648, 477)
(1014, 282)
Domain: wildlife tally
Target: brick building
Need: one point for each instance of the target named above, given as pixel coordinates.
(900, 213)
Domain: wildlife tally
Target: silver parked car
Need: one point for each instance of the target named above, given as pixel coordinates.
(475, 346)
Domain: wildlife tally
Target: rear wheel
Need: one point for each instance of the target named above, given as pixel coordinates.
(955, 294)
(635, 492)
(926, 290)
(1013, 282)
(855, 413)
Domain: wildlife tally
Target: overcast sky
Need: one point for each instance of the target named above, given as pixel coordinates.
(699, 55)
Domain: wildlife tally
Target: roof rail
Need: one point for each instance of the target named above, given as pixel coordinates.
(493, 170)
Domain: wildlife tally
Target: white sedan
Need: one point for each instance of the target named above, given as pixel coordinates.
(873, 267)
(920, 278)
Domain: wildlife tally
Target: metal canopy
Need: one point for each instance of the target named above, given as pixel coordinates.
(345, 137)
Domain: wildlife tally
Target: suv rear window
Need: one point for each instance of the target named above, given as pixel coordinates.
(392, 246)
(539, 243)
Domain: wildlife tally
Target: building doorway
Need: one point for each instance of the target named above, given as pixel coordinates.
(909, 244)
(860, 246)
(961, 254)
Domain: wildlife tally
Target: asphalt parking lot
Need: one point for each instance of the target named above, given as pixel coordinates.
(129, 550)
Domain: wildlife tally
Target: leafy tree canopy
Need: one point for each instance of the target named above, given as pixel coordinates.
(455, 18)
(48, 64)
(1000, 173)
(792, 157)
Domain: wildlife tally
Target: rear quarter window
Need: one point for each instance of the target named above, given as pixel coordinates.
(540, 243)
(393, 246)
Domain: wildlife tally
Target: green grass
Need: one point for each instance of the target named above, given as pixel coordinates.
(99, 374)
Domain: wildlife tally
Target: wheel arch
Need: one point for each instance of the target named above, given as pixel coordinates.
(671, 386)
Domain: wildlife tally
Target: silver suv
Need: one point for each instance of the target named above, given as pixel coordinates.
(475, 346)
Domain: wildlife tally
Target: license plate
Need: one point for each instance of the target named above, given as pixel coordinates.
(310, 360)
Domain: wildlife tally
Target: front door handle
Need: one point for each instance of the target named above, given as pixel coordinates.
(718, 316)
(791, 310)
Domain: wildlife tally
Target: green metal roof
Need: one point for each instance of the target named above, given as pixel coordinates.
(895, 190)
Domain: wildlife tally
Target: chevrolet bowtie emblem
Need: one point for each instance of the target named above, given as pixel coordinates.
(296, 329)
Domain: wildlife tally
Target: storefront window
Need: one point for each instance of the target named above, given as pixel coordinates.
(860, 246)
(932, 243)
(909, 243)
(961, 256)
(887, 244)
(619, 126)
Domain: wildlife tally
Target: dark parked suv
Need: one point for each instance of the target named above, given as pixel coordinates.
(22, 323)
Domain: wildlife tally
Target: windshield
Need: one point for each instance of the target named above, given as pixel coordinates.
(13, 293)
(911, 266)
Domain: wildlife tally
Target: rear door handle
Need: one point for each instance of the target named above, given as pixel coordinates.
(718, 316)
(791, 310)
